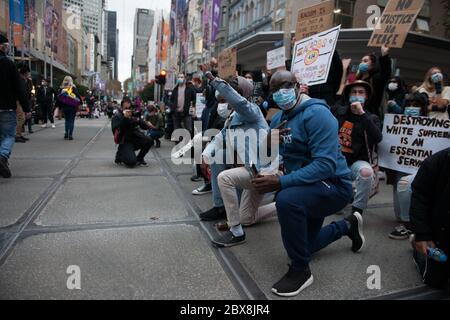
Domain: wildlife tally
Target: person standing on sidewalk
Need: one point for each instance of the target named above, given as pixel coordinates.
(69, 101)
(12, 89)
(45, 99)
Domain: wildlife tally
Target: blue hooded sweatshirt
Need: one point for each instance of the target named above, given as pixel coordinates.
(311, 152)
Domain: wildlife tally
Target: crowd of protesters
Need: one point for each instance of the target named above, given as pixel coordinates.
(327, 157)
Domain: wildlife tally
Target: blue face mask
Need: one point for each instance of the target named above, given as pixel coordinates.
(360, 99)
(437, 77)
(180, 81)
(363, 67)
(412, 111)
(285, 98)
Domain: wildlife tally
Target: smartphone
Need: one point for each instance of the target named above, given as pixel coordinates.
(282, 124)
(254, 170)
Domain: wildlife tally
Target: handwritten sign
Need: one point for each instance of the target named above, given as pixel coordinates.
(227, 63)
(200, 105)
(408, 141)
(395, 23)
(314, 19)
(276, 58)
(312, 57)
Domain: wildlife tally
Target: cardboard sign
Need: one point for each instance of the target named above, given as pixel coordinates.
(312, 57)
(276, 58)
(408, 141)
(227, 63)
(200, 105)
(393, 26)
(314, 19)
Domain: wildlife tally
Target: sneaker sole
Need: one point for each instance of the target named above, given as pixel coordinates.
(227, 245)
(308, 282)
(398, 237)
(196, 193)
(360, 231)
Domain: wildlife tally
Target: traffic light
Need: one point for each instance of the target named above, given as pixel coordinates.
(161, 79)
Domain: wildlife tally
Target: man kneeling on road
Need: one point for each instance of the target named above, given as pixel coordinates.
(125, 126)
(317, 182)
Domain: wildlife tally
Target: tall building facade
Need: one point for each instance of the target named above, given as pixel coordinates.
(111, 43)
(143, 25)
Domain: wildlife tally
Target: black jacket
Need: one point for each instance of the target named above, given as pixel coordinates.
(190, 98)
(430, 204)
(378, 78)
(368, 123)
(128, 128)
(12, 86)
(328, 90)
(45, 95)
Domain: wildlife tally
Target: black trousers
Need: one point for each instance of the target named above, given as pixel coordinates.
(47, 113)
(126, 153)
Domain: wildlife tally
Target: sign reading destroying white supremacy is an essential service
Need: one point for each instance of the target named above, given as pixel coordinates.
(408, 141)
(313, 56)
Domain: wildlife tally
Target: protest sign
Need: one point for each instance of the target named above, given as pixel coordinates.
(395, 23)
(312, 57)
(276, 58)
(200, 105)
(408, 141)
(314, 19)
(227, 63)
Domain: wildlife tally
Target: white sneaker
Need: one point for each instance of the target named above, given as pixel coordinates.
(44, 126)
(53, 126)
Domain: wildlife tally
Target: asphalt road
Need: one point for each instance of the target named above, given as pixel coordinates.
(73, 225)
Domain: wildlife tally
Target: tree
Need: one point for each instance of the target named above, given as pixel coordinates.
(148, 94)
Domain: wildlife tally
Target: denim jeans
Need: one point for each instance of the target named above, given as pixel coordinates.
(155, 134)
(404, 192)
(301, 213)
(363, 185)
(69, 116)
(8, 123)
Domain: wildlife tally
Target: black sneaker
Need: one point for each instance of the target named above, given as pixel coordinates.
(4, 168)
(400, 233)
(20, 140)
(356, 232)
(66, 137)
(293, 283)
(158, 144)
(70, 138)
(214, 214)
(204, 189)
(228, 240)
(196, 178)
(142, 163)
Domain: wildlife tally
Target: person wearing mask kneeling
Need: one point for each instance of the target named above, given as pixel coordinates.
(316, 183)
(359, 134)
(125, 126)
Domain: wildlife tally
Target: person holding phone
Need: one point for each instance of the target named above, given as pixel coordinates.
(316, 182)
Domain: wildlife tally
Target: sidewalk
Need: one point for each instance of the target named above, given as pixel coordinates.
(135, 234)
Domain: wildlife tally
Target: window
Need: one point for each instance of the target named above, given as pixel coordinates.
(345, 16)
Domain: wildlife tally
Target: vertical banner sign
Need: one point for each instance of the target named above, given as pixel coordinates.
(18, 35)
(312, 57)
(276, 58)
(17, 11)
(315, 19)
(173, 22)
(48, 22)
(393, 26)
(215, 20)
(227, 63)
(206, 26)
(408, 141)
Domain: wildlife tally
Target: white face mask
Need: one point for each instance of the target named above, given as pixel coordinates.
(223, 111)
(393, 86)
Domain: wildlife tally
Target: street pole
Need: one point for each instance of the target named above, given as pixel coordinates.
(51, 68)
(287, 30)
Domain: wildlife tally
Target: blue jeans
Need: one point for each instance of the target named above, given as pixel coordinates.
(301, 213)
(8, 123)
(155, 134)
(216, 169)
(69, 116)
(404, 193)
(363, 185)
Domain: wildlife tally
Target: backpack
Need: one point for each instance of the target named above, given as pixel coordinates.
(115, 126)
(67, 97)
